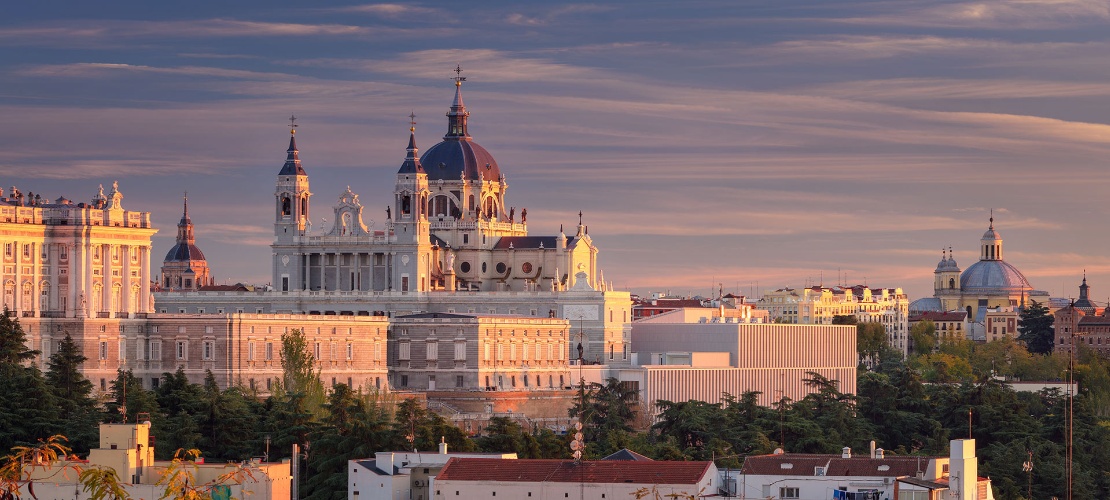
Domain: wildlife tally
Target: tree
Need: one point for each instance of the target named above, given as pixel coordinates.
(227, 421)
(607, 412)
(1035, 328)
(870, 341)
(13, 341)
(64, 376)
(845, 319)
(923, 337)
(299, 372)
(416, 428)
(72, 392)
(356, 426)
(126, 393)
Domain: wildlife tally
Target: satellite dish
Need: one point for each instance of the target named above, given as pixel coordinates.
(574, 445)
(578, 426)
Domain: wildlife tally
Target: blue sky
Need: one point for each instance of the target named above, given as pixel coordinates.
(753, 144)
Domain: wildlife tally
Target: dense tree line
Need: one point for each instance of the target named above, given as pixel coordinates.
(947, 389)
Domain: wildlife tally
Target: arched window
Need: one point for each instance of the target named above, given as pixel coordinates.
(951, 283)
(286, 208)
(406, 204)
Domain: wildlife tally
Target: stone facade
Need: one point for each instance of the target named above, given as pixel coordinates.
(437, 352)
(1074, 327)
(239, 349)
(819, 305)
(74, 260)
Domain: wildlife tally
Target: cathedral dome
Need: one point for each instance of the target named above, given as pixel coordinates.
(993, 277)
(182, 252)
(454, 158)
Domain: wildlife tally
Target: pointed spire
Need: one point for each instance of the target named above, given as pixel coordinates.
(185, 226)
(292, 159)
(185, 210)
(456, 117)
(412, 159)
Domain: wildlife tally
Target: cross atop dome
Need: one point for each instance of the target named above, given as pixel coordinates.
(458, 75)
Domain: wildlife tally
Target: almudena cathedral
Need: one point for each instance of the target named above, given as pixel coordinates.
(451, 298)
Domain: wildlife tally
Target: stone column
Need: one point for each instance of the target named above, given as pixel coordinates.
(144, 285)
(106, 274)
(125, 280)
(36, 276)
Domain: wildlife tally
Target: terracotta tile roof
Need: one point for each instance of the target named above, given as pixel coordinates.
(803, 465)
(564, 471)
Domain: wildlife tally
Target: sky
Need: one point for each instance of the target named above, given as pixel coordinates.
(751, 145)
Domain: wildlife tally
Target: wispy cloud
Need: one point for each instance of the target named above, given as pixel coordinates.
(552, 15)
(992, 14)
(87, 70)
(487, 64)
(388, 10)
(69, 32)
(916, 89)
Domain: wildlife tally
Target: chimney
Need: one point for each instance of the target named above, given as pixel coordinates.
(879, 453)
(873, 449)
(442, 446)
(846, 452)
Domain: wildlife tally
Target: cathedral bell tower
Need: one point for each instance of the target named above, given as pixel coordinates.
(408, 225)
(291, 197)
(290, 218)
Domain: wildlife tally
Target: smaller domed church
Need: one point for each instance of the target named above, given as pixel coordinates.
(185, 267)
(989, 283)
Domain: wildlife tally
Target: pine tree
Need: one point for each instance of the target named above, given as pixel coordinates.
(13, 341)
(64, 375)
(1035, 329)
(72, 393)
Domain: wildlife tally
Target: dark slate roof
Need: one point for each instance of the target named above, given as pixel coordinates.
(799, 464)
(238, 287)
(531, 242)
(292, 161)
(565, 471)
(184, 252)
(627, 454)
(924, 483)
(437, 241)
(435, 315)
(453, 157)
(925, 304)
(412, 162)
